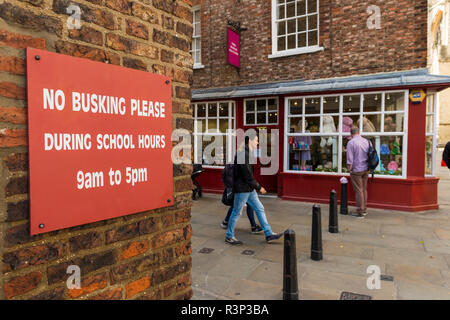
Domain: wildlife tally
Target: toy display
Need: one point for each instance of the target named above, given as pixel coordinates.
(384, 149)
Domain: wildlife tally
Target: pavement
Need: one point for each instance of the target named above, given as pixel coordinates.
(411, 250)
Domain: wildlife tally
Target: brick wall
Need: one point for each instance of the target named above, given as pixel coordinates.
(349, 46)
(140, 256)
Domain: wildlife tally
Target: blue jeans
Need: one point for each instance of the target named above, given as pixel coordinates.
(250, 215)
(251, 198)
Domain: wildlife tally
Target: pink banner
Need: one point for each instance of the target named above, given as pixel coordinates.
(233, 48)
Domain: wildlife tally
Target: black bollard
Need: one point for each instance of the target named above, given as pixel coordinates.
(290, 285)
(344, 203)
(316, 234)
(333, 222)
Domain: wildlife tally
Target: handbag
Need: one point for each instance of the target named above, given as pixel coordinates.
(228, 197)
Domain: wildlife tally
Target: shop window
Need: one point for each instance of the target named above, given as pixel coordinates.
(431, 136)
(196, 51)
(261, 112)
(214, 125)
(318, 130)
(295, 26)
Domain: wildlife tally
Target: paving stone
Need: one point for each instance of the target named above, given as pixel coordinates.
(252, 290)
(419, 275)
(440, 246)
(235, 267)
(305, 294)
(384, 241)
(406, 231)
(268, 272)
(410, 257)
(211, 284)
(443, 234)
(349, 249)
(409, 290)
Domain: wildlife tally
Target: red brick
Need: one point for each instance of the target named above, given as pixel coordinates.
(183, 92)
(31, 256)
(13, 138)
(133, 267)
(16, 185)
(85, 241)
(13, 115)
(16, 161)
(184, 184)
(144, 13)
(137, 286)
(80, 51)
(153, 295)
(167, 238)
(12, 65)
(17, 211)
(134, 248)
(120, 43)
(52, 294)
(134, 64)
(183, 250)
(183, 283)
(183, 216)
(182, 76)
(169, 289)
(22, 284)
(118, 5)
(114, 294)
(148, 225)
(11, 90)
(87, 34)
(167, 220)
(137, 29)
(122, 233)
(88, 285)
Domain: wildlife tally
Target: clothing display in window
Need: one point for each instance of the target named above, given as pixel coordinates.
(367, 125)
(328, 127)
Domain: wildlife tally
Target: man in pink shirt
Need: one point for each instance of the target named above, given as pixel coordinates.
(357, 156)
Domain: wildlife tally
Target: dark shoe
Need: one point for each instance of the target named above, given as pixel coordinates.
(233, 241)
(274, 236)
(224, 224)
(256, 229)
(357, 215)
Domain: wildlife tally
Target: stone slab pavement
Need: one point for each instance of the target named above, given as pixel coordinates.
(412, 248)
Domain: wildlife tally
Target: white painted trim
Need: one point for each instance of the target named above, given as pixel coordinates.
(198, 66)
(267, 112)
(292, 52)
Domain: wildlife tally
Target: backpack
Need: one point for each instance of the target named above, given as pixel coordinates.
(227, 178)
(372, 159)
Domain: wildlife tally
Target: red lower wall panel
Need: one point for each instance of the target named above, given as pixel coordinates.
(211, 180)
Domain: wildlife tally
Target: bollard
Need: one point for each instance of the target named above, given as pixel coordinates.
(333, 222)
(316, 234)
(290, 285)
(344, 203)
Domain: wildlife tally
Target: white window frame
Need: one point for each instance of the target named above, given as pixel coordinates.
(230, 134)
(433, 133)
(197, 65)
(341, 134)
(289, 52)
(266, 112)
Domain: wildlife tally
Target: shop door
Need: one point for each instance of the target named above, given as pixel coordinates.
(269, 182)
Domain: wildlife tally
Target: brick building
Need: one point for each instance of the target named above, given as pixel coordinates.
(139, 256)
(311, 69)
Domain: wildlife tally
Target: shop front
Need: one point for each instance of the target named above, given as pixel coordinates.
(306, 125)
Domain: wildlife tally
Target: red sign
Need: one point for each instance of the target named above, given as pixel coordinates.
(99, 141)
(233, 48)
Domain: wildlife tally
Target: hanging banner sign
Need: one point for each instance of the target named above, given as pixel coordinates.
(99, 141)
(233, 48)
(417, 96)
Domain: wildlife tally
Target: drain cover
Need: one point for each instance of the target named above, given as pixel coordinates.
(206, 250)
(248, 252)
(386, 277)
(354, 296)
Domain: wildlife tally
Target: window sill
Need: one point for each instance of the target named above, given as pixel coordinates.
(293, 52)
(198, 66)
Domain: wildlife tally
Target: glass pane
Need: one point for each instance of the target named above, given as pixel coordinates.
(272, 104)
(290, 10)
(429, 155)
(393, 122)
(291, 42)
(273, 117)
(296, 106)
(301, 39)
(394, 101)
(282, 28)
(201, 110)
(301, 7)
(390, 152)
(196, 30)
(250, 118)
(430, 103)
(295, 125)
(212, 124)
(261, 105)
(430, 124)
(301, 24)
(223, 109)
(312, 38)
(223, 125)
(281, 1)
(212, 153)
(250, 105)
(329, 124)
(372, 102)
(352, 103)
(212, 110)
(312, 105)
(312, 124)
(312, 22)
(348, 121)
(281, 13)
(261, 118)
(308, 153)
(281, 43)
(291, 26)
(201, 125)
(371, 123)
(331, 104)
(312, 6)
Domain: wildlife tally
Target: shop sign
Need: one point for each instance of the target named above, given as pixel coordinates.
(99, 141)
(233, 48)
(417, 96)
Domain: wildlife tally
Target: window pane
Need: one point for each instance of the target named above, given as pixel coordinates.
(196, 16)
(312, 124)
(372, 102)
(312, 22)
(296, 106)
(429, 155)
(394, 101)
(272, 103)
(308, 153)
(291, 26)
(371, 123)
(330, 124)
(430, 104)
(250, 105)
(393, 122)
(282, 28)
(212, 124)
(390, 153)
(250, 118)
(201, 125)
(352, 103)
(201, 110)
(312, 38)
(291, 42)
(301, 7)
(290, 10)
(312, 105)
(430, 124)
(223, 125)
(261, 118)
(281, 43)
(301, 24)
(348, 121)
(212, 110)
(312, 6)
(331, 104)
(301, 40)
(273, 117)
(281, 13)
(261, 105)
(223, 109)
